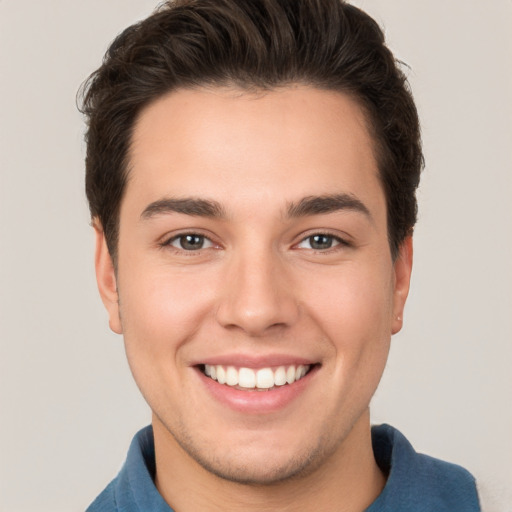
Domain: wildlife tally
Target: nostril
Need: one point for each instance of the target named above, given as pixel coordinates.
(256, 300)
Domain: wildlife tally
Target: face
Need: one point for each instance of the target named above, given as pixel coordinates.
(255, 287)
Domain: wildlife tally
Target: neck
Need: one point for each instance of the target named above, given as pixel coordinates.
(349, 480)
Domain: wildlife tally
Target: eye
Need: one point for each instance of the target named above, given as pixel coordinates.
(319, 242)
(190, 242)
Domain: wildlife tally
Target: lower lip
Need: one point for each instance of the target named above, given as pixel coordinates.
(257, 402)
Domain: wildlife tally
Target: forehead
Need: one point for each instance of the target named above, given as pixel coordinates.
(252, 147)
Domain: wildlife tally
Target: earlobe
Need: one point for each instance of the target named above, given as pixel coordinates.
(106, 279)
(403, 269)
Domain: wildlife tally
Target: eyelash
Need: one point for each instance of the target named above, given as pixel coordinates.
(182, 236)
(333, 239)
(338, 242)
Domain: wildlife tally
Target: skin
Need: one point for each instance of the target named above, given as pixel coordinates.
(258, 287)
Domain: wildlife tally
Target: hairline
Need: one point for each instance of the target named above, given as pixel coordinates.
(248, 87)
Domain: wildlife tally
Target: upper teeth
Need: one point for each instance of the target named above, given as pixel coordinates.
(264, 378)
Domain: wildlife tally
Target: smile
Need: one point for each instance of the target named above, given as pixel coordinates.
(255, 379)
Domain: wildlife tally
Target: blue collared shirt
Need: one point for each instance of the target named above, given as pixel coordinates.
(416, 483)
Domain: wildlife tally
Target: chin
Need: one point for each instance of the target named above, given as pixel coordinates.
(260, 464)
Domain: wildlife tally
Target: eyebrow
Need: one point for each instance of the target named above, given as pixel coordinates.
(317, 205)
(187, 206)
(310, 205)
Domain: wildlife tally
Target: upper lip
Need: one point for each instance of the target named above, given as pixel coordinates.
(251, 361)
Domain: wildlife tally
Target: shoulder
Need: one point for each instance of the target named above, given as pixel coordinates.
(419, 482)
(106, 501)
(134, 481)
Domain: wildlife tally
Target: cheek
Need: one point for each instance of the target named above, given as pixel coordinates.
(355, 300)
(353, 309)
(160, 314)
(160, 311)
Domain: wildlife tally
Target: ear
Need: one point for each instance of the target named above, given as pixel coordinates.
(403, 269)
(106, 279)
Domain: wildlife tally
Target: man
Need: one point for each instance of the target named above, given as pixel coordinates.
(251, 174)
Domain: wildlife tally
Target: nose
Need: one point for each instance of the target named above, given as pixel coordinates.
(258, 295)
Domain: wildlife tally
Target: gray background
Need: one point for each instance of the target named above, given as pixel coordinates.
(68, 404)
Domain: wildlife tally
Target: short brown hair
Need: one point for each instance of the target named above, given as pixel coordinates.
(251, 44)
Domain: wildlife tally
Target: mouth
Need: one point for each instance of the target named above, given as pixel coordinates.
(256, 379)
